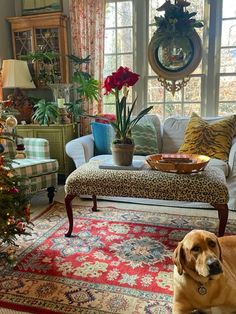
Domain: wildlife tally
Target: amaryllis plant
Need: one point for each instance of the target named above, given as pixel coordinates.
(119, 82)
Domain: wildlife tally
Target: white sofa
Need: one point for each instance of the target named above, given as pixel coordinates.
(170, 135)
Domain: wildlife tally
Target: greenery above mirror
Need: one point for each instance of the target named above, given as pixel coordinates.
(175, 49)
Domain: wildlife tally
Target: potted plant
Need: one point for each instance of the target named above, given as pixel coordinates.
(45, 113)
(86, 87)
(123, 144)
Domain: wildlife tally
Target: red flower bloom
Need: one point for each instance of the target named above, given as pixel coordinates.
(109, 84)
(122, 77)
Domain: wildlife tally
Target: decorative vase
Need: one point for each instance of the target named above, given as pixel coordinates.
(122, 154)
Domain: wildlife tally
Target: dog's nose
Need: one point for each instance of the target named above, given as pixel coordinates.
(214, 266)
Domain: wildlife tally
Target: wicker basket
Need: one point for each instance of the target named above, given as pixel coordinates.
(178, 163)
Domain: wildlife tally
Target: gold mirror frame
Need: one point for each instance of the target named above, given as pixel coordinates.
(174, 80)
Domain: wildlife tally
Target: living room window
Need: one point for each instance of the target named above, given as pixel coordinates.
(212, 86)
(227, 72)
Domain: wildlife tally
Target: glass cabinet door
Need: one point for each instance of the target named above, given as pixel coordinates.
(23, 42)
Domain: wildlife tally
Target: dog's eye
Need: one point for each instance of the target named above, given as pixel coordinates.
(212, 243)
(195, 248)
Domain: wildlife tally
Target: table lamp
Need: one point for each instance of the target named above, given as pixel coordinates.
(16, 75)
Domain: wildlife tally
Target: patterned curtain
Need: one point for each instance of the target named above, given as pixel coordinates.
(87, 29)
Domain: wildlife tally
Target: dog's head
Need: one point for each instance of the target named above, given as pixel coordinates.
(199, 252)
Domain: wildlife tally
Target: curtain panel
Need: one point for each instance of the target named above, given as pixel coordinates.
(87, 29)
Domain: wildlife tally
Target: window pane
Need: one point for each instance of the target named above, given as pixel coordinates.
(125, 61)
(109, 65)
(197, 6)
(110, 41)
(159, 110)
(153, 5)
(227, 88)
(227, 108)
(229, 8)
(190, 108)
(198, 70)
(109, 109)
(124, 13)
(170, 98)
(192, 91)
(173, 110)
(124, 40)
(228, 60)
(155, 91)
(109, 99)
(151, 29)
(110, 15)
(228, 33)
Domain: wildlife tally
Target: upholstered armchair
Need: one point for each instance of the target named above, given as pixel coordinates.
(39, 170)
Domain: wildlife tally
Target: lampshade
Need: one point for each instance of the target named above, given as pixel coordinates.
(15, 74)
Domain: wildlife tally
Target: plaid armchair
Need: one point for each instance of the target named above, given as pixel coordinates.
(40, 171)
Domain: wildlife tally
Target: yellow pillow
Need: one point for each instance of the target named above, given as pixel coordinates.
(213, 140)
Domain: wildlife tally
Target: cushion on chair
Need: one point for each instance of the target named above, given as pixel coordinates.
(33, 168)
(213, 140)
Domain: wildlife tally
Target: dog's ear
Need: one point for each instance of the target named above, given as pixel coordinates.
(178, 258)
(220, 257)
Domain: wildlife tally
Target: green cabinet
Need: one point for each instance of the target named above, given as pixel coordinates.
(57, 135)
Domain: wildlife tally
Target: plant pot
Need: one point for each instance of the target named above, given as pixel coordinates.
(122, 154)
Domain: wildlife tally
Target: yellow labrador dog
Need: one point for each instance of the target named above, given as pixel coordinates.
(205, 274)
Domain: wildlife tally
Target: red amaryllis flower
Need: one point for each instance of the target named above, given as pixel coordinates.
(122, 77)
(109, 84)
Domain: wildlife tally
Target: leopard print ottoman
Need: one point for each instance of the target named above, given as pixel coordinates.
(208, 186)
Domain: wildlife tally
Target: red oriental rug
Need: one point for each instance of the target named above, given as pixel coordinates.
(118, 261)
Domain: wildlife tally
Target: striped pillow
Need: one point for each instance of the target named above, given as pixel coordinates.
(145, 139)
(213, 140)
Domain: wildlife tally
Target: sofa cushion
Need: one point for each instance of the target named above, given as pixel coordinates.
(213, 140)
(33, 167)
(103, 135)
(174, 130)
(144, 135)
(145, 139)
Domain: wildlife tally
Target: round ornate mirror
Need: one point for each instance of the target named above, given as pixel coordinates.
(175, 49)
(175, 58)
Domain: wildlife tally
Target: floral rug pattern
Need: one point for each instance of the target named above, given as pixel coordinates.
(117, 261)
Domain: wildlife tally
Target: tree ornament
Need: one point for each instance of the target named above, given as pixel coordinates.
(11, 122)
(2, 148)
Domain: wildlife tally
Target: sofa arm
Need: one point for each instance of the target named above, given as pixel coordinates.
(36, 148)
(81, 149)
(232, 157)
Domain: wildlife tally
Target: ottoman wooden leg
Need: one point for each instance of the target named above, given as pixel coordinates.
(223, 212)
(68, 200)
(94, 208)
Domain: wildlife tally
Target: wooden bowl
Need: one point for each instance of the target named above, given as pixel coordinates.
(178, 163)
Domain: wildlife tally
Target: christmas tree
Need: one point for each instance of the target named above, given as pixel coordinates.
(14, 200)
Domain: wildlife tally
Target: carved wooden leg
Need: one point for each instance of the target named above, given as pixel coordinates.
(51, 194)
(94, 208)
(223, 212)
(68, 200)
